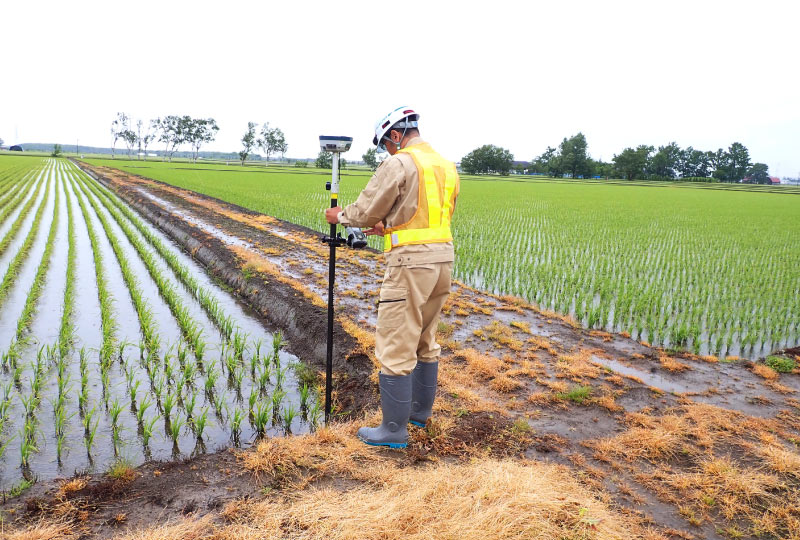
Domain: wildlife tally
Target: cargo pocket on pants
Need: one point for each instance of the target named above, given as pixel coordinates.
(392, 307)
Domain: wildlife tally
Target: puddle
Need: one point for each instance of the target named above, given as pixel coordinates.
(200, 224)
(656, 379)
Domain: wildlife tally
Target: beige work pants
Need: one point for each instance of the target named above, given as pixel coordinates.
(408, 314)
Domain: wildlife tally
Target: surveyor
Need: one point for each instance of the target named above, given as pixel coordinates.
(410, 201)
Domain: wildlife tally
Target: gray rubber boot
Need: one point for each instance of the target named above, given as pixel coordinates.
(423, 391)
(396, 406)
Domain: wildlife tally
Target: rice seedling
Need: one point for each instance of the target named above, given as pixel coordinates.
(158, 388)
(211, 380)
(251, 400)
(315, 414)
(144, 404)
(181, 355)
(175, 427)
(189, 405)
(147, 429)
(27, 445)
(114, 411)
(200, 423)
(289, 413)
(239, 343)
(230, 363)
(263, 380)
(189, 370)
(280, 377)
(219, 404)
(90, 429)
(256, 357)
(133, 387)
(238, 378)
(236, 423)
(277, 343)
(261, 417)
(168, 404)
(277, 398)
(304, 393)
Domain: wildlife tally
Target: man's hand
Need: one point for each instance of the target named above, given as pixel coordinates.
(376, 230)
(332, 214)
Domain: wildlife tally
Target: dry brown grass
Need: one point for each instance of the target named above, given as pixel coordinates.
(490, 500)
(522, 325)
(504, 384)
(502, 335)
(672, 365)
(577, 366)
(73, 485)
(40, 531)
(482, 365)
(765, 372)
(187, 529)
(536, 343)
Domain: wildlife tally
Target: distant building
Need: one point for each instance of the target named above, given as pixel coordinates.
(775, 180)
(16, 148)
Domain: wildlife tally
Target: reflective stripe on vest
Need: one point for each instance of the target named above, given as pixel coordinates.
(436, 228)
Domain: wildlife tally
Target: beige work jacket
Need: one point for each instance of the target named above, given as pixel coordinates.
(392, 196)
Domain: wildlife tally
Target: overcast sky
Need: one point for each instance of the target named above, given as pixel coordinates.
(521, 75)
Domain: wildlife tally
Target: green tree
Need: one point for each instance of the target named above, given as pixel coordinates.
(664, 162)
(541, 164)
(324, 160)
(56, 150)
(738, 161)
(117, 127)
(370, 158)
(271, 140)
(632, 163)
(200, 131)
(574, 157)
(173, 131)
(488, 159)
(759, 174)
(248, 141)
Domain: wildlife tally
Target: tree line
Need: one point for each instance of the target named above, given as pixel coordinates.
(669, 162)
(171, 130)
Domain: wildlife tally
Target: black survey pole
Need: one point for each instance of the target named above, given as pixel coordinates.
(335, 145)
(331, 279)
(334, 241)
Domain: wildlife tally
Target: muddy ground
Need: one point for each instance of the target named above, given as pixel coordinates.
(515, 381)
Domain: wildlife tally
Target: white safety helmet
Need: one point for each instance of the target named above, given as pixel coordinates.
(401, 117)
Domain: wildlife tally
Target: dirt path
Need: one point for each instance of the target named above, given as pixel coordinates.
(672, 440)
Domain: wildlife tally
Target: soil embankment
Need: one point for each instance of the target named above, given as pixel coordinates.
(676, 446)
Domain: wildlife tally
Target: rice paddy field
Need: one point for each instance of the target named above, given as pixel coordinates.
(115, 345)
(709, 268)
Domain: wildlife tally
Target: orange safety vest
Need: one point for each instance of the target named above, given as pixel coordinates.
(438, 188)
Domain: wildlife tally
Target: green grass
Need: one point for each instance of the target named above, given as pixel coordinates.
(781, 364)
(577, 394)
(708, 267)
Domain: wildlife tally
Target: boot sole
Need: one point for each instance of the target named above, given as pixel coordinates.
(387, 444)
(415, 423)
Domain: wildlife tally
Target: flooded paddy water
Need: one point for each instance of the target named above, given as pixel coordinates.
(80, 386)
